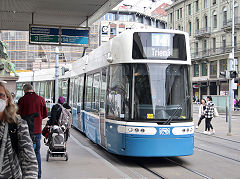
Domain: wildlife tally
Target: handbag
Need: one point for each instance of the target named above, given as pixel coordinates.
(215, 112)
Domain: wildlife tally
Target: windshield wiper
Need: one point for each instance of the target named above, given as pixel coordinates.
(176, 110)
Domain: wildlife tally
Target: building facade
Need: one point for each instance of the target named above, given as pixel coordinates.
(121, 19)
(209, 24)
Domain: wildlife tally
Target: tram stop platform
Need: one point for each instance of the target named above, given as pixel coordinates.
(83, 162)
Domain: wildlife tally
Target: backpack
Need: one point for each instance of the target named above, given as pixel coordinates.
(65, 118)
(13, 131)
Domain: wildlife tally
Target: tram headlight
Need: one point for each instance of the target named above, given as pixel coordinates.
(136, 130)
(130, 129)
(183, 130)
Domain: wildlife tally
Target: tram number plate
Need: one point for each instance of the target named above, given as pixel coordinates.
(164, 131)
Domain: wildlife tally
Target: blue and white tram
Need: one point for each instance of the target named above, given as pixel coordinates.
(132, 94)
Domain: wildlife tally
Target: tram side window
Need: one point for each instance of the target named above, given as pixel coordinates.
(87, 104)
(64, 89)
(103, 90)
(95, 93)
(75, 94)
(71, 92)
(48, 90)
(37, 87)
(80, 91)
(42, 89)
(59, 88)
(118, 92)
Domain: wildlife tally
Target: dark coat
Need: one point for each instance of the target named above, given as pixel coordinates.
(31, 103)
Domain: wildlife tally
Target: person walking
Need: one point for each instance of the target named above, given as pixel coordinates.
(30, 104)
(209, 114)
(202, 108)
(19, 161)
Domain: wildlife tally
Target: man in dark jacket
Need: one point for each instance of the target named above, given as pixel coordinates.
(30, 104)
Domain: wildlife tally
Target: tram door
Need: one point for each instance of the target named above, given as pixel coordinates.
(102, 107)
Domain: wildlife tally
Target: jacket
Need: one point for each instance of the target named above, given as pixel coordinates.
(24, 165)
(201, 110)
(55, 114)
(32, 103)
(209, 111)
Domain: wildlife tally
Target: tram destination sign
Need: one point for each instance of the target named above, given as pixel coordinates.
(58, 35)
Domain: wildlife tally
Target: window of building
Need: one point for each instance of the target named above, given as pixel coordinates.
(197, 25)
(215, 19)
(180, 12)
(197, 6)
(213, 69)
(139, 18)
(205, 3)
(147, 21)
(171, 17)
(214, 2)
(214, 43)
(109, 17)
(190, 28)
(204, 69)
(235, 40)
(196, 70)
(206, 22)
(224, 16)
(224, 42)
(222, 65)
(189, 9)
(196, 48)
(205, 46)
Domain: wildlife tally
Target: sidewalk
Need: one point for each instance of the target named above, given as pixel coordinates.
(220, 125)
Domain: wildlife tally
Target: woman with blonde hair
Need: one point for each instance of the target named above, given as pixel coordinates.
(17, 159)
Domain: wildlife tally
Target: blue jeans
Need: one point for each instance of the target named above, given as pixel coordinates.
(37, 152)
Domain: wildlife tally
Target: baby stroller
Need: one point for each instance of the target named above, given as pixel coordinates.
(55, 139)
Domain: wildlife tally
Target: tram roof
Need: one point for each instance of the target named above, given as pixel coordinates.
(18, 14)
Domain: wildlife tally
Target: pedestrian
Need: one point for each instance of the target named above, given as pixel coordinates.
(209, 114)
(30, 104)
(19, 161)
(202, 108)
(235, 102)
(56, 113)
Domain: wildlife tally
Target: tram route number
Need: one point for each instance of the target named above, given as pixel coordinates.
(164, 131)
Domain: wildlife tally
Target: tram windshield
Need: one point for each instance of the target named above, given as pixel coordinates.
(149, 92)
(161, 92)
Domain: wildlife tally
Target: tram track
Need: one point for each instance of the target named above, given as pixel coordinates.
(219, 137)
(219, 144)
(224, 156)
(157, 174)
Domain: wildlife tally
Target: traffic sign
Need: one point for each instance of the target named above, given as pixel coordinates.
(58, 35)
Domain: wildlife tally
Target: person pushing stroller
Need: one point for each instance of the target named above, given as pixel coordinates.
(56, 131)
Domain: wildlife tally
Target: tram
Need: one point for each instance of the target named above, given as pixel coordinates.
(132, 94)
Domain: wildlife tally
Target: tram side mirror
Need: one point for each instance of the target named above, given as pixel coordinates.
(64, 70)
